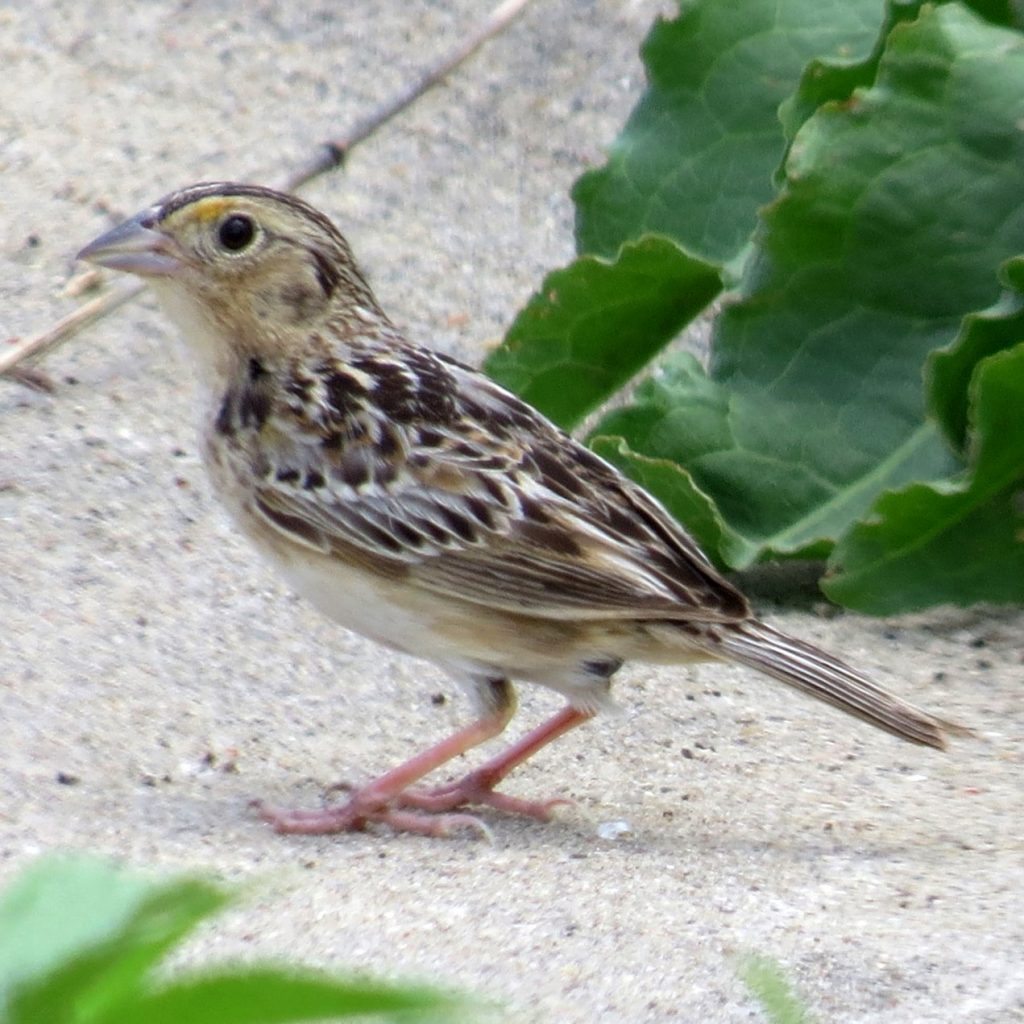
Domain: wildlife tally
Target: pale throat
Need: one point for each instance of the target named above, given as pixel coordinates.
(218, 358)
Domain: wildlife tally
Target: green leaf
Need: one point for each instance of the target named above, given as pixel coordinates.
(766, 982)
(760, 470)
(269, 995)
(958, 542)
(898, 208)
(949, 370)
(594, 324)
(1008, 13)
(696, 157)
(834, 80)
(677, 491)
(79, 939)
(77, 935)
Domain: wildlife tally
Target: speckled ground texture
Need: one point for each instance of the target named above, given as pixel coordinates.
(149, 660)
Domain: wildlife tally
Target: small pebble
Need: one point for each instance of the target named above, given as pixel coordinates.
(614, 829)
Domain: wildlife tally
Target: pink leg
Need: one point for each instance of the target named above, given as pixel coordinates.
(387, 799)
(478, 786)
(373, 801)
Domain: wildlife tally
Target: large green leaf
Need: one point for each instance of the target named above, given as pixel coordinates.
(958, 542)
(276, 995)
(595, 324)
(899, 205)
(79, 939)
(695, 160)
(78, 936)
(750, 456)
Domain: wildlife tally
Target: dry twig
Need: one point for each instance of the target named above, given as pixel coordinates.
(328, 156)
(68, 326)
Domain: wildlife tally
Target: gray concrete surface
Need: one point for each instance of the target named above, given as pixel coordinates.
(145, 653)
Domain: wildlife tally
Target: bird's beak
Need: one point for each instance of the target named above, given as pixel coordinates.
(136, 247)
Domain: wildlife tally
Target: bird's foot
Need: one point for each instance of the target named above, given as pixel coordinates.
(391, 801)
(476, 789)
(358, 813)
(427, 812)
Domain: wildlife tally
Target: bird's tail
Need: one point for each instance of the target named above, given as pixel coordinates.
(825, 677)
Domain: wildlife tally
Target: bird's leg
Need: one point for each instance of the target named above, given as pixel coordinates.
(477, 787)
(383, 799)
(389, 800)
(376, 800)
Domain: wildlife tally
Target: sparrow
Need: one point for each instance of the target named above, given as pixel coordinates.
(412, 499)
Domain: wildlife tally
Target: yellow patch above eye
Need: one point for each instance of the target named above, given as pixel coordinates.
(210, 209)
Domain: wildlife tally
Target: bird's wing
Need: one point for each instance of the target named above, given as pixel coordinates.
(420, 467)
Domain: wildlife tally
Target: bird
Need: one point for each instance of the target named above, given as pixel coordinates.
(414, 500)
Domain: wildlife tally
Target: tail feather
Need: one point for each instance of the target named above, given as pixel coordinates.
(819, 674)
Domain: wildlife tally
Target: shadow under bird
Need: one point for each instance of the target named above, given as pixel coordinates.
(413, 500)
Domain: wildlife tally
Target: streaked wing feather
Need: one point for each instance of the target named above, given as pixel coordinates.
(494, 507)
(515, 577)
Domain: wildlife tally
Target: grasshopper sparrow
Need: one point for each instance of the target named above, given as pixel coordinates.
(417, 502)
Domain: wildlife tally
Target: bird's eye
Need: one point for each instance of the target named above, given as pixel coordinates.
(236, 232)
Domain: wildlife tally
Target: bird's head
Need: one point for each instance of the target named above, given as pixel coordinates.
(240, 267)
